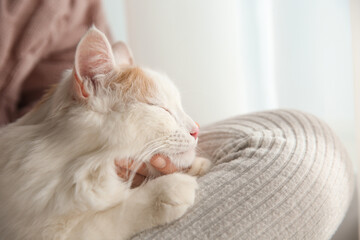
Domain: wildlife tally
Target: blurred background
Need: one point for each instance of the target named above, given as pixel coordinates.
(238, 56)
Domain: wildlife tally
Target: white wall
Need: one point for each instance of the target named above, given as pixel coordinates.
(116, 16)
(313, 63)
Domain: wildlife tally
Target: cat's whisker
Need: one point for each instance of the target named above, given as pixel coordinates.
(153, 146)
(150, 149)
(155, 141)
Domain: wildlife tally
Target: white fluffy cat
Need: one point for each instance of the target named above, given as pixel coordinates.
(57, 172)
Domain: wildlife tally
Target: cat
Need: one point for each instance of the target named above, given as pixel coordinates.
(57, 172)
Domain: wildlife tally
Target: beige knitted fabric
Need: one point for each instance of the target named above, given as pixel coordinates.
(277, 175)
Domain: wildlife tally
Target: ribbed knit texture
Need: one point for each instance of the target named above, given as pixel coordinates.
(277, 175)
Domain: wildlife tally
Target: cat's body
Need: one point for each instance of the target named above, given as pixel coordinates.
(57, 173)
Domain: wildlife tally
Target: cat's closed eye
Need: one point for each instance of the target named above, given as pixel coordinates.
(159, 106)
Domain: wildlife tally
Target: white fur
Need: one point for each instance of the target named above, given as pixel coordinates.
(57, 172)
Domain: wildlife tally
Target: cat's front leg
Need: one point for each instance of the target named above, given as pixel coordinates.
(159, 201)
(163, 200)
(200, 166)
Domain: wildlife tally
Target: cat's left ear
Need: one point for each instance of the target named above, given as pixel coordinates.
(93, 60)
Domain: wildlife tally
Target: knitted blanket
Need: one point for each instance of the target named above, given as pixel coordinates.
(277, 175)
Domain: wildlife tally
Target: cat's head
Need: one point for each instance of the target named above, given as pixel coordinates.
(135, 111)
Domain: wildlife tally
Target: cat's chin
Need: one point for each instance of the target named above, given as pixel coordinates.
(184, 159)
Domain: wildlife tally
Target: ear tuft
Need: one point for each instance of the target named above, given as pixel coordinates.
(122, 54)
(93, 58)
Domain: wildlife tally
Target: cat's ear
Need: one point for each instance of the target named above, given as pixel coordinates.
(122, 54)
(93, 59)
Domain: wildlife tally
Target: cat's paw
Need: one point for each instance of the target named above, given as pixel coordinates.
(175, 194)
(200, 166)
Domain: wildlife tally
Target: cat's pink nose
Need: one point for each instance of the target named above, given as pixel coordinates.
(195, 132)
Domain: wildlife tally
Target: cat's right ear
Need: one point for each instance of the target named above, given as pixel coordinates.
(93, 60)
(122, 54)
